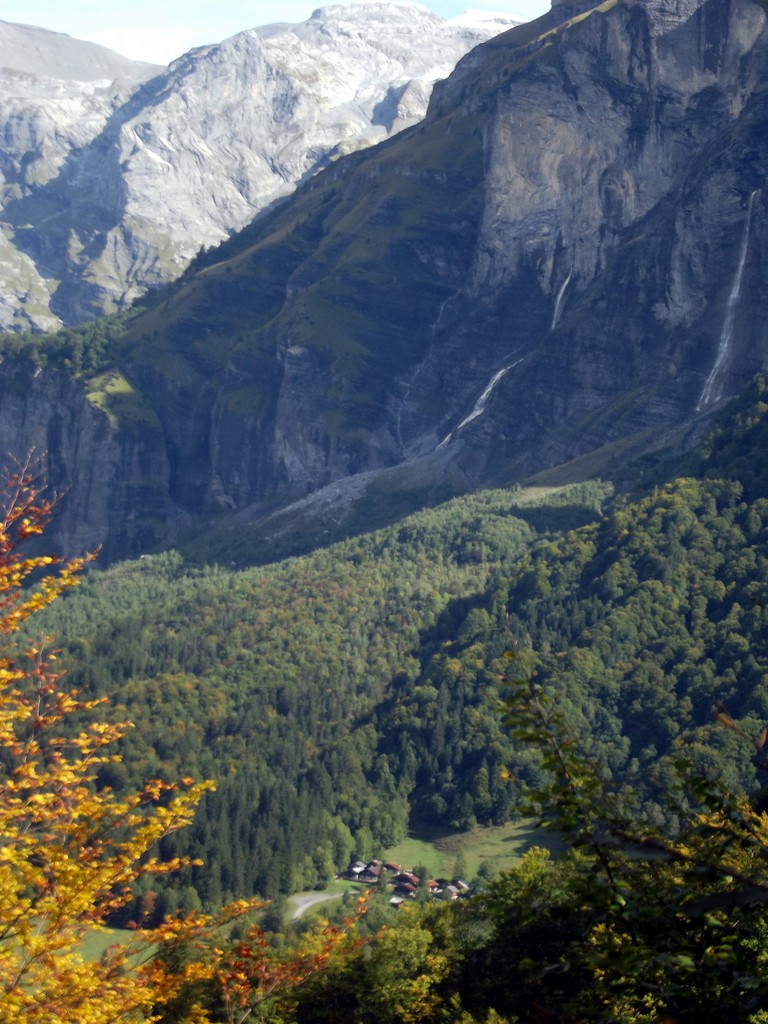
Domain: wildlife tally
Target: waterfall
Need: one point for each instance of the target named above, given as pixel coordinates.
(479, 407)
(559, 300)
(711, 393)
(434, 327)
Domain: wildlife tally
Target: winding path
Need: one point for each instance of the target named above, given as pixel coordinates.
(303, 901)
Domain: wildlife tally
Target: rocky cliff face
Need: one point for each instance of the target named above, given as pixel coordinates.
(623, 220)
(112, 481)
(116, 173)
(566, 255)
(56, 95)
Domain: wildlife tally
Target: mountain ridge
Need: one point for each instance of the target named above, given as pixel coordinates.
(34, 50)
(563, 258)
(117, 191)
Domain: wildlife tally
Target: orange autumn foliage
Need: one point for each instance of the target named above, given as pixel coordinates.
(250, 972)
(70, 851)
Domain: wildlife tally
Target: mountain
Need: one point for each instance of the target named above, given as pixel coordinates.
(562, 262)
(56, 95)
(116, 173)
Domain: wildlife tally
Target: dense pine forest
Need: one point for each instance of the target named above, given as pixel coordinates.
(341, 698)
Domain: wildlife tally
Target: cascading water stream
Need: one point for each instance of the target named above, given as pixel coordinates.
(713, 390)
(407, 389)
(559, 301)
(479, 406)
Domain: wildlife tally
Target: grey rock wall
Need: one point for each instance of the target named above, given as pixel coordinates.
(112, 480)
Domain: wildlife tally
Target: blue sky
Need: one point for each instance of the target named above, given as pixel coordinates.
(159, 30)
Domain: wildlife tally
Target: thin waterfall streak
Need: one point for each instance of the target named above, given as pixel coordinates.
(403, 400)
(432, 332)
(479, 407)
(559, 300)
(439, 317)
(482, 401)
(726, 335)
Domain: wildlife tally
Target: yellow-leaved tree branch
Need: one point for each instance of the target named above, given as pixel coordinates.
(70, 850)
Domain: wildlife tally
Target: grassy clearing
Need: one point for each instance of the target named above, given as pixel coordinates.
(442, 852)
(113, 395)
(96, 943)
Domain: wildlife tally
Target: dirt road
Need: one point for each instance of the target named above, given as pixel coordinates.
(304, 900)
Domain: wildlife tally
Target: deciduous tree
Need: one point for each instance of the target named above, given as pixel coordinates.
(70, 850)
(666, 923)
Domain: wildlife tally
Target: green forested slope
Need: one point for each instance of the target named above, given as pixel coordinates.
(279, 682)
(649, 619)
(334, 695)
(646, 621)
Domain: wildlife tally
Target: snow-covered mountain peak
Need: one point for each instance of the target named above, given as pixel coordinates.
(483, 20)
